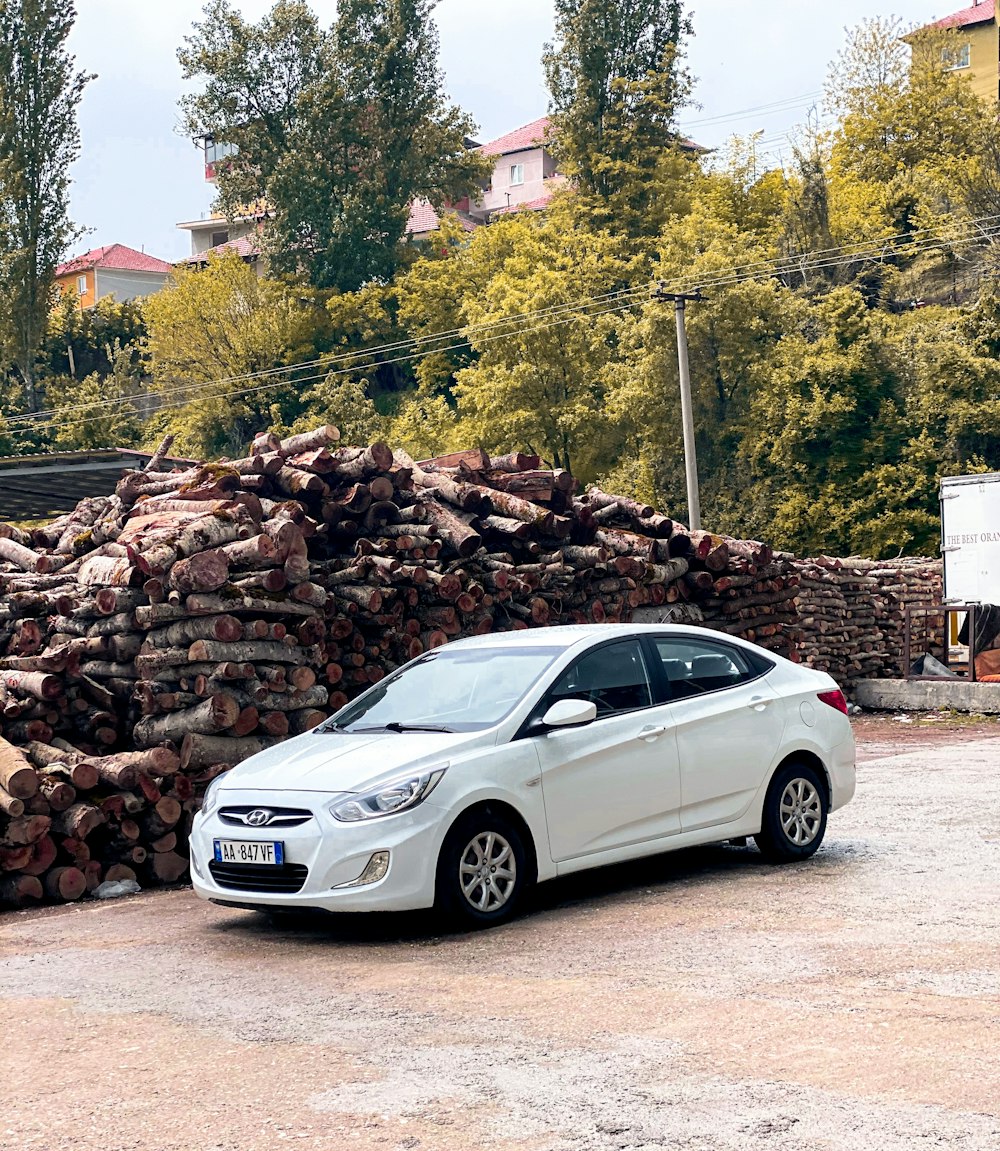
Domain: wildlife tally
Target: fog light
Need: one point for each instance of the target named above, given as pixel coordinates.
(374, 870)
(194, 866)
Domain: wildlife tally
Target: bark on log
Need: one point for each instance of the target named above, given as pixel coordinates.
(215, 714)
(17, 775)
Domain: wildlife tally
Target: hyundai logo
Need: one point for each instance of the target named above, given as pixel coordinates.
(259, 817)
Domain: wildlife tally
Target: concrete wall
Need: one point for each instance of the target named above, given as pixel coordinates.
(121, 285)
(537, 168)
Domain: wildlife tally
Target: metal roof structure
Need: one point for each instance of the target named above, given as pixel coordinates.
(46, 486)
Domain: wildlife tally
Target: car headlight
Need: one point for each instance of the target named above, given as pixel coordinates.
(210, 801)
(388, 798)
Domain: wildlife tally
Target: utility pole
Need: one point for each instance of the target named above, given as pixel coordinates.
(680, 299)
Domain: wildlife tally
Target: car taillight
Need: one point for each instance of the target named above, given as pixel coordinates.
(834, 699)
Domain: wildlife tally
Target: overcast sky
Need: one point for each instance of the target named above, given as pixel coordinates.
(760, 64)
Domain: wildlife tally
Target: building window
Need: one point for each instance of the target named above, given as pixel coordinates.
(81, 285)
(516, 174)
(219, 238)
(955, 58)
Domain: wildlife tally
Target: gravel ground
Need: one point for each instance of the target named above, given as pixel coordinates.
(701, 1000)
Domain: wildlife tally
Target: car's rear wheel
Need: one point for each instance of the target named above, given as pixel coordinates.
(794, 817)
(483, 870)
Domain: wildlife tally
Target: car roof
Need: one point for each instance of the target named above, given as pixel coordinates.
(569, 635)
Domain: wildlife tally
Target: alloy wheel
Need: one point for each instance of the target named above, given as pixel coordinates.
(487, 871)
(801, 812)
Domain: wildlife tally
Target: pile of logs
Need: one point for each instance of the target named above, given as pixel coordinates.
(70, 821)
(195, 617)
(851, 613)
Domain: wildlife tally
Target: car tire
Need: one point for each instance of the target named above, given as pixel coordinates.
(793, 821)
(484, 870)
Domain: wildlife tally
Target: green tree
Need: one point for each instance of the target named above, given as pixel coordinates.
(539, 375)
(39, 141)
(336, 132)
(616, 82)
(101, 410)
(208, 331)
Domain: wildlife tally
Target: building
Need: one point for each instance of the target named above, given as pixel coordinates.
(114, 270)
(975, 53)
(524, 178)
(524, 172)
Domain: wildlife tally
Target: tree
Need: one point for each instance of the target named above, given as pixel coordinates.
(101, 409)
(615, 84)
(208, 331)
(539, 375)
(39, 140)
(336, 132)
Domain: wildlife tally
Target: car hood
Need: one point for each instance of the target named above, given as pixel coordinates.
(337, 761)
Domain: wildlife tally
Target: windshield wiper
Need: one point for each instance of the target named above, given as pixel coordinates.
(394, 725)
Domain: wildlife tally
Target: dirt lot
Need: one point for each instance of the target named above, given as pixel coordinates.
(701, 1001)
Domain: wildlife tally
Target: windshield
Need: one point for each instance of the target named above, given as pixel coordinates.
(448, 689)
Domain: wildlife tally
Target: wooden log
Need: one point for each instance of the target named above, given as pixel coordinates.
(64, 883)
(11, 805)
(35, 683)
(205, 750)
(226, 628)
(168, 866)
(206, 571)
(79, 820)
(43, 854)
(17, 774)
(60, 794)
(25, 830)
(214, 714)
(20, 890)
(321, 437)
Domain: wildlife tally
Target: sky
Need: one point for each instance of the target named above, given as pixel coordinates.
(759, 65)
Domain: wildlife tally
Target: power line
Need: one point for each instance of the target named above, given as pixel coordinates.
(972, 231)
(470, 331)
(644, 291)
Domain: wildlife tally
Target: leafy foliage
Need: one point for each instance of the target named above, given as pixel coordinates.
(211, 335)
(39, 140)
(336, 131)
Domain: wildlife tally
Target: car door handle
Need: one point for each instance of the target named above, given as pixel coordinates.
(651, 732)
(758, 702)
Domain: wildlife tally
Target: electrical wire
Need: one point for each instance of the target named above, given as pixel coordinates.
(968, 232)
(53, 424)
(329, 359)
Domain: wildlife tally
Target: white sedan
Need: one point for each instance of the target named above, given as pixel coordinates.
(499, 761)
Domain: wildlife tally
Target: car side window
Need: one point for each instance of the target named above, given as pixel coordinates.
(693, 667)
(614, 678)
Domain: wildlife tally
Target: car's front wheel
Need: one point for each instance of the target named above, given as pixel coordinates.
(483, 870)
(794, 817)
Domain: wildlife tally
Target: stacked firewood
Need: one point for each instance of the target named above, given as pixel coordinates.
(195, 617)
(69, 821)
(852, 614)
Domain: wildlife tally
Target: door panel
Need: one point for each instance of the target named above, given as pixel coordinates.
(728, 721)
(726, 741)
(614, 782)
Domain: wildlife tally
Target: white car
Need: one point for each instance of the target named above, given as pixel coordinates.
(499, 761)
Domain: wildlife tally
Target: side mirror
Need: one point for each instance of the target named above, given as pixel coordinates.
(570, 713)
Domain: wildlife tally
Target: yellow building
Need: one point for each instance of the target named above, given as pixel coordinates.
(975, 53)
(113, 270)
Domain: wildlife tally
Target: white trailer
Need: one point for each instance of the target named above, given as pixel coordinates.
(970, 538)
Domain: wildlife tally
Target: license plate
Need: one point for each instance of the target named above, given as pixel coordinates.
(270, 854)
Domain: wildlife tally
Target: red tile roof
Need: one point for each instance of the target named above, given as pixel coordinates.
(244, 247)
(520, 140)
(425, 218)
(115, 256)
(980, 13)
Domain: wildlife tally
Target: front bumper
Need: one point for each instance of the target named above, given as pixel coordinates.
(333, 853)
